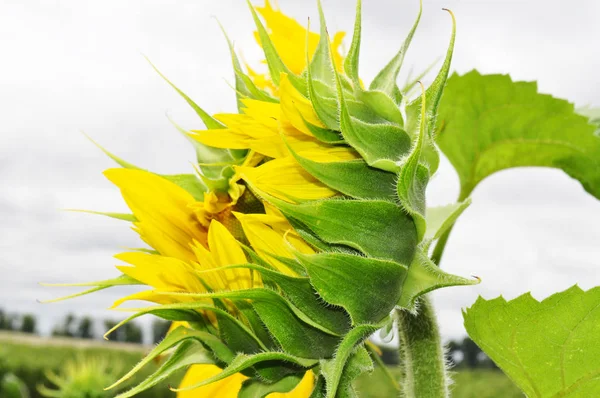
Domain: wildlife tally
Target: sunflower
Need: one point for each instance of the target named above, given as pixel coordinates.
(273, 260)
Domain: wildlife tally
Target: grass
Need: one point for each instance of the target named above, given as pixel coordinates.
(29, 361)
(484, 383)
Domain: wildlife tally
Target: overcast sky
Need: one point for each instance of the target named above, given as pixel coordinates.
(73, 66)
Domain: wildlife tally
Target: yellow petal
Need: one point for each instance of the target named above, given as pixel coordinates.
(285, 179)
(226, 388)
(290, 39)
(165, 214)
(262, 80)
(329, 154)
(302, 390)
(220, 138)
(161, 272)
(266, 234)
(153, 296)
(296, 109)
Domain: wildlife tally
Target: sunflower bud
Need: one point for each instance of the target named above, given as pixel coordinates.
(335, 239)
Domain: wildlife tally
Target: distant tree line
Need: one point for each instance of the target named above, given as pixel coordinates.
(464, 354)
(84, 327)
(25, 323)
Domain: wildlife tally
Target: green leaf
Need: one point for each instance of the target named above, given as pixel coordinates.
(354, 178)
(175, 337)
(367, 288)
(385, 81)
(242, 362)
(334, 369)
(253, 388)
(122, 280)
(365, 225)
(593, 114)
(440, 219)
(423, 277)
(548, 348)
(187, 353)
(492, 123)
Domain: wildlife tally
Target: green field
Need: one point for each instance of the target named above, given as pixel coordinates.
(28, 359)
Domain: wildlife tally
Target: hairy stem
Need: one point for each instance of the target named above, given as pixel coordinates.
(423, 362)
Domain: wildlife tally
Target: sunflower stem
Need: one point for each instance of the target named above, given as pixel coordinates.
(422, 354)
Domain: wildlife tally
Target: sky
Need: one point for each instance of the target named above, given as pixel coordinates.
(74, 67)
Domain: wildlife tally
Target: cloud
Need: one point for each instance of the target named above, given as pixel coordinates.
(76, 66)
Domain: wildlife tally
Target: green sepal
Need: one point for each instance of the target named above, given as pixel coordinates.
(320, 75)
(256, 324)
(354, 178)
(366, 288)
(274, 62)
(385, 81)
(351, 62)
(206, 154)
(122, 280)
(440, 219)
(238, 336)
(364, 225)
(175, 337)
(242, 362)
(359, 362)
(423, 277)
(186, 354)
(214, 163)
(189, 182)
(299, 291)
(235, 334)
(293, 335)
(413, 179)
(289, 326)
(323, 134)
(380, 144)
(253, 388)
(433, 95)
(244, 86)
(341, 367)
(116, 216)
(383, 105)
